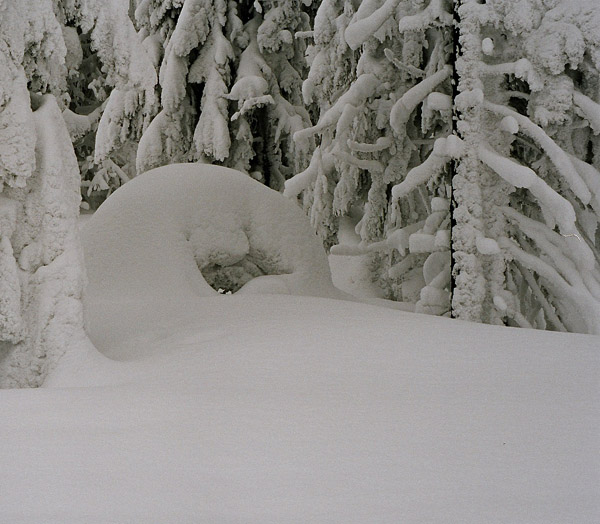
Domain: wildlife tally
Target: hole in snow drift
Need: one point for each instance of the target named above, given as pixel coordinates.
(227, 259)
(228, 279)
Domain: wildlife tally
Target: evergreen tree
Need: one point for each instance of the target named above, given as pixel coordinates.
(40, 267)
(526, 235)
(381, 81)
(230, 77)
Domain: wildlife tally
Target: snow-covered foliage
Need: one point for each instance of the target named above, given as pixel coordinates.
(230, 76)
(41, 268)
(527, 180)
(177, 230)
(380, 78)
(111, 91)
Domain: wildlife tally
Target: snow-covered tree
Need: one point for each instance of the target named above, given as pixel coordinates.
(40, 60)
(380, 78)
(230, 76)
(527, 185)
(109, 58)
(41, 275)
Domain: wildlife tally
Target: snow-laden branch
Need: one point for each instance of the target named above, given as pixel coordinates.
(590, 110)
(408, 102)
(301, 181)
(420, 174)
(569, 254)
(591, 176)
(434, 14)
(80, 125)
(373, 166)
(518, 175)
(363, 88)
(541, 298)
(359, 31)
(380, 144)
(557, 155)
(398, 239)
(581, 299)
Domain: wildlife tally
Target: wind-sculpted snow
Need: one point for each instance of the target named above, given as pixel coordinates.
(162, 236)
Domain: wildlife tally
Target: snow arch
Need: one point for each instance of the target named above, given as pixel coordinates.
(150, 238)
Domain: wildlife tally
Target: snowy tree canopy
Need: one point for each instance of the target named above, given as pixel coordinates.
(526, 236)
(453, 148)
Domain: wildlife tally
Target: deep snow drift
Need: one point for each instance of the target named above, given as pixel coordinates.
(264, 408)
(277, 409)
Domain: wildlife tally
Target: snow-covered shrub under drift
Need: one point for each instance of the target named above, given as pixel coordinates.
(147, 242)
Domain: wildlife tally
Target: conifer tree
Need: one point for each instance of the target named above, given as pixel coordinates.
(230, 77)
(527, 187)
(381, 80)
(41, 273)
(526, 235)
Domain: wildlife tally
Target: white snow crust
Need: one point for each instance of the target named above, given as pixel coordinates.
(269, 409)
(274, 408)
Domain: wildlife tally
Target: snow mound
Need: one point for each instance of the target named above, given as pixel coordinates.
(176, 230)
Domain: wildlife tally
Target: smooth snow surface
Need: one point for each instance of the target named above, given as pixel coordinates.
(262, 408)
(272, 409)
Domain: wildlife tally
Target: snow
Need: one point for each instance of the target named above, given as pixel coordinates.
(590, 109)
(276, 409)
(487, 46)
(414, 96)
(273, 408)
(149, 239)
(360, 30)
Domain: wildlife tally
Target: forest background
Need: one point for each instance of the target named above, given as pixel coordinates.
(460, 140)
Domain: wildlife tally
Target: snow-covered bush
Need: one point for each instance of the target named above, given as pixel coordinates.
(175, 231)
(380, 78)
(526, 244)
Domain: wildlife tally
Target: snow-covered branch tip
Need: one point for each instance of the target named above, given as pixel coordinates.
(319, 161)
(589, 109)
(434, 14)
(443, 150)
(360, 30)
(408, 102)
(553, 204)
(557, 155)
(363, 88)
